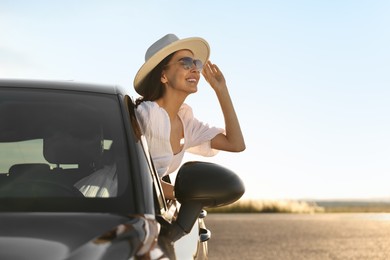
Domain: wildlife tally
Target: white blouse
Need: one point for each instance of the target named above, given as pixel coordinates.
(102, 183)
(155, 125)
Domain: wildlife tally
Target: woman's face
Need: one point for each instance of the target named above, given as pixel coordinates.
(179, 78)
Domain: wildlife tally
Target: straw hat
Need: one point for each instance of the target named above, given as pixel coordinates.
(165, 46)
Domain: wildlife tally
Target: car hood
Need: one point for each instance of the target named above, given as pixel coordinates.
(75, 236)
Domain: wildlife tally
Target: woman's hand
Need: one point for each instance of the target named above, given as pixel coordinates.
(233, 139)
(214, 76)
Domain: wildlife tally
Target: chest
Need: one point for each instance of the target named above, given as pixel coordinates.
(177, 135)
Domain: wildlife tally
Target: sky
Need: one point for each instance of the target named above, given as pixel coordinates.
(309, 79)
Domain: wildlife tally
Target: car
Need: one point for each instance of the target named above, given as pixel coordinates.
(77, 180)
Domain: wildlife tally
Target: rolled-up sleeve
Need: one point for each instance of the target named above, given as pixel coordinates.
(199, 134)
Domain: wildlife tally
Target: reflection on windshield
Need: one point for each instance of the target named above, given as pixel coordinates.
(61, 144)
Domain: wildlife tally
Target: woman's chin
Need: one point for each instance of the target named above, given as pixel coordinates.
(193, 90)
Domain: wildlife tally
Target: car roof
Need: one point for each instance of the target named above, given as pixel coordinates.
(61, 85)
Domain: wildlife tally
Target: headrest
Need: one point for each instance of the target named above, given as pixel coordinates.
(74, 145)
(29, 168)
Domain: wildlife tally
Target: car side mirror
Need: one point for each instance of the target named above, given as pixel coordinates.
(210, 184)
(201, 185)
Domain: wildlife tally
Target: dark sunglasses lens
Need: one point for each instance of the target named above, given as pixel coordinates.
(189, 62)
(198, 64)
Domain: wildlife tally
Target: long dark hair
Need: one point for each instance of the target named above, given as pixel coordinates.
(152, 85)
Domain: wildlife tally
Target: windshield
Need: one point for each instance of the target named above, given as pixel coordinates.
(59, 144)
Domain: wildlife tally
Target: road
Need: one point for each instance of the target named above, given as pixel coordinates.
(299, 236)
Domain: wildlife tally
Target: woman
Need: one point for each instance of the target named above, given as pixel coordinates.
(170, 73)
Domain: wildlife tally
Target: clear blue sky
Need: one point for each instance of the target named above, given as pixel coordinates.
(310, 79)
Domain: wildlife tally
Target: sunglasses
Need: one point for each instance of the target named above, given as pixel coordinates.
(188, 63)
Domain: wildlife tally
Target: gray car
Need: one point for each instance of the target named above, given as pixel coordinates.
(77, 182)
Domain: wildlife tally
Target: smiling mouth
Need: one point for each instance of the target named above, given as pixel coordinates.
(192, 80)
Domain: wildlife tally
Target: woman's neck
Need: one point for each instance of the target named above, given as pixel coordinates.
(171, 104)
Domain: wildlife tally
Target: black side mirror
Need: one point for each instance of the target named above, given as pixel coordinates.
(210, 184)
(200, 185)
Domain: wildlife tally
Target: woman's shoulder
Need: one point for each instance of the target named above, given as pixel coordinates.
(147, 106)
(149, 111)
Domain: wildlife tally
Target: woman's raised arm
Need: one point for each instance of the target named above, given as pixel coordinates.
(233, 140)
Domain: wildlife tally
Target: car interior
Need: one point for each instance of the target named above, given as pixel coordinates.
(48, 146)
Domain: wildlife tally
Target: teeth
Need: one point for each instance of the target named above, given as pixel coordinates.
(192, 80)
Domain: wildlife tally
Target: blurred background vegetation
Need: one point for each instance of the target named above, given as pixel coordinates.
(302, 206)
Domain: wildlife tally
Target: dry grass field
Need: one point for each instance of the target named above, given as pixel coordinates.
(302, 206)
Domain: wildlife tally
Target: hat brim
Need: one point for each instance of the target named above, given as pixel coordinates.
(198, 46)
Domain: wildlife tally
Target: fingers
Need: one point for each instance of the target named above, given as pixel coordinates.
(210, 69)
(212, 74)
(206, 71)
